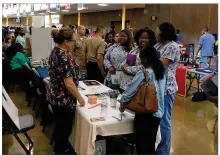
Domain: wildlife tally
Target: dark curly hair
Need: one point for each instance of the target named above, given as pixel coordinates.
(150, 33)
(167, 32)
(129, 45)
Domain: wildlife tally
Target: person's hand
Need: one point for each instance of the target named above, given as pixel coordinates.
(124, 68)
(121, 108)
(81, 101)
(103, 74)
(111, 70)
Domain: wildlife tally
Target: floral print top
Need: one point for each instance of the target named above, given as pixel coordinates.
(132, 70)
(62, 65)
(170, 51)
(115, 55)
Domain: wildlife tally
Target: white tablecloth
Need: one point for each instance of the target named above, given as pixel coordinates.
(85, 131)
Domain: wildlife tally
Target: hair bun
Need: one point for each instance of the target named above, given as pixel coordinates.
(54, 34)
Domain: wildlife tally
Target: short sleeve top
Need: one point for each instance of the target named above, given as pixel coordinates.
(170, 51)
(62, 65)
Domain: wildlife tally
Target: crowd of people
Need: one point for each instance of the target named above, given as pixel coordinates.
(116, 59)
(102, 56)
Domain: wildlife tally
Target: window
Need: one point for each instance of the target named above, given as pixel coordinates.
(55, 19)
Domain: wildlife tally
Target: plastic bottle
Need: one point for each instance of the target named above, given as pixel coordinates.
(104, 108)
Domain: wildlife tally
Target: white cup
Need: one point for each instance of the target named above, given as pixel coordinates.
(113, 102)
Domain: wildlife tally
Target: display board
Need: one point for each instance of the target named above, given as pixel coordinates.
(41, 43)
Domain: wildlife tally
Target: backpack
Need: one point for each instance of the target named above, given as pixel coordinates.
(199, 96)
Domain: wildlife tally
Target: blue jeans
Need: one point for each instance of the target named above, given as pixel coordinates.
(204, 61)
(165, 126)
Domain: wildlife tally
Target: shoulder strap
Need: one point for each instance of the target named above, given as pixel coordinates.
(146, 77)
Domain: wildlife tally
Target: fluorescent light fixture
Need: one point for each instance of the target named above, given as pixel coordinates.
(102, 4)
(42, 13)
(65, 10)
(53, 12)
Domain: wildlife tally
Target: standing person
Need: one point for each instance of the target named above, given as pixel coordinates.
(116, 54)
(87, 33)
(63, 73)
(116, 38)
(179, 36)
(143, 38)
(170, 54)
(29, 42)
(146, 124)
(20, 37)
(206, 45)
(94, 53)
(79, 45)
(8, 43)
(109, 39)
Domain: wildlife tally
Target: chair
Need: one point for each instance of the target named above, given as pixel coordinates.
(15, 124)
(46, 83)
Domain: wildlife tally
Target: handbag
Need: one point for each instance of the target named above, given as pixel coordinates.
(145, 100)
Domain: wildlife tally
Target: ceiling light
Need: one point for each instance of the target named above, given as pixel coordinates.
(65, 10)
(53, 12)
(102, 4)
(42, 13)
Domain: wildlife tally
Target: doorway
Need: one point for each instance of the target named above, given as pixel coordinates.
(116, 25)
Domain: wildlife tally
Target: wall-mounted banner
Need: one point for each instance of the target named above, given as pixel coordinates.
(82, 7)
(48, 8)
(57, 7)
(67, 7)
(32, 7)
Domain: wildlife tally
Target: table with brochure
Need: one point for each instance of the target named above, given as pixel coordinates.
(85, 131)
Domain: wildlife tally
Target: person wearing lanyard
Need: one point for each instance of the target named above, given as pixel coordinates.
(63, 73)
(169, 55)
(116, 54)
(143, 38)
(94, 53)
(79, 45)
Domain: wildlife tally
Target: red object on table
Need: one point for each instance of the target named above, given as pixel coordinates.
(181, 73)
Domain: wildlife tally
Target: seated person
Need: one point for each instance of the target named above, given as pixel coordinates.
(19, 59)
(18, 63)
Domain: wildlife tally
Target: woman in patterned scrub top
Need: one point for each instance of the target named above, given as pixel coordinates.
(169, 55)
(63, 72)
(143, 37)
